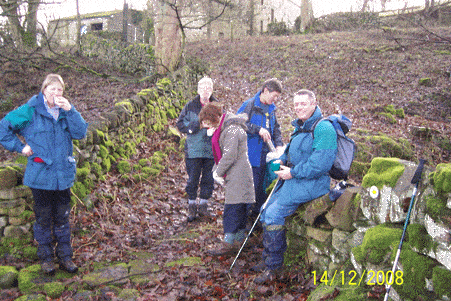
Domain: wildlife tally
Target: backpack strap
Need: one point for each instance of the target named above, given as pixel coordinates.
(312, 129)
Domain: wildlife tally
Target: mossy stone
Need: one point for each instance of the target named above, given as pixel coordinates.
(8, 275)
(26, 276)
(103, 152)
(124, 167)
(417, 237)
(441, 277)
(383, 171)
(416, 268)
(54, 289)
(442, 178)
(376, 244)
(186, 261)
(32, 297)
(82, 173)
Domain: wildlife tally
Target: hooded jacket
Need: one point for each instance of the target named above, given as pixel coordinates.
(197, 143)
(310, 160)
(52, 166)
(239, 183)
(257, 119)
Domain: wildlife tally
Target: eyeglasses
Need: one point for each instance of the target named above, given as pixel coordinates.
(205, 88)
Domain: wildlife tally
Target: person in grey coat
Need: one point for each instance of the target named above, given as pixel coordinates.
(233, 169)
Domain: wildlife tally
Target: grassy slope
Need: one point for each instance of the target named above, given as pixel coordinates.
(357, 72)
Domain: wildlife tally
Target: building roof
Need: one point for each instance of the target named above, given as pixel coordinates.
(90, 16)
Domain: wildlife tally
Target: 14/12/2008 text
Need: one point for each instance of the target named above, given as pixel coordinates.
(352, 278)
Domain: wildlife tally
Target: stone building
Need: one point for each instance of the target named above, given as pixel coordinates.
(65, 30)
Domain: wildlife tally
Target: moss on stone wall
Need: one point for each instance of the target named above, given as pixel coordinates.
(442, 178)
(418, 237)
(383, 171)
(441, 278)
(416, 269)
(377, 243)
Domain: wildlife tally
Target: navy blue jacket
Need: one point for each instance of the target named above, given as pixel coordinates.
(257, 119)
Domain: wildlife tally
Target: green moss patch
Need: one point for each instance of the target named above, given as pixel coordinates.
(8, 276)
(54, 289)
(124, 167)
(186, 261)
(377, 243)
(436, 206)
(416, 268)
(383, 171)
(441, 277)
(442, 178)
(388, 147)
(418, 237)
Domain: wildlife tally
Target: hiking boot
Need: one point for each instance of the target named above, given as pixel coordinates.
(268, 276)
(69, 266)
(48, 268)
(192, 211)
(222, 249)
(260, 267)
(203, 210)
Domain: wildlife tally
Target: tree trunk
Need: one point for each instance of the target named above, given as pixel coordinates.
(78, 37)
(11, 9)
(169, 38)
(32, 20)
(251, 17)
(125, 22)
(306, 14)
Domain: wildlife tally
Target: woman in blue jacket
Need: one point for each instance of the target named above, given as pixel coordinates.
(48, 122)
(302, 177)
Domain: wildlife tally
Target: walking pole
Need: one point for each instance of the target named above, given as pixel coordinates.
(415, 180)
(256, 220)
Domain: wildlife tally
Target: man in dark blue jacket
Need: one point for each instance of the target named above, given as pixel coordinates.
(303, 176)
(262, 127)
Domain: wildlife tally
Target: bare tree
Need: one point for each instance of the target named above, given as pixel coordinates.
(173, 18)
(22, 20)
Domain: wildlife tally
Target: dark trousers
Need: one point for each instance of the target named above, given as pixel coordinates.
(259, 174)
(199, 169)
(234, 217)
(52, 209)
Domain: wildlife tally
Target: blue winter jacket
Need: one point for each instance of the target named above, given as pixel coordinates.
(310, 161)
(198, 143)
(257, 119)
(49, 139)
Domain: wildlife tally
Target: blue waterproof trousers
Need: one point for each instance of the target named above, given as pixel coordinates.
(52, 209)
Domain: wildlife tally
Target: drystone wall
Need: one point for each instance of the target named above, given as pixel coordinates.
(351, 243)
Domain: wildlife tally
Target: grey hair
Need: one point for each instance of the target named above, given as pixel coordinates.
(205, 80)
(50, 79)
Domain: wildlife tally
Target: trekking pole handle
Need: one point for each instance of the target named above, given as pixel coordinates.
(417, 176)
(271, 146)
